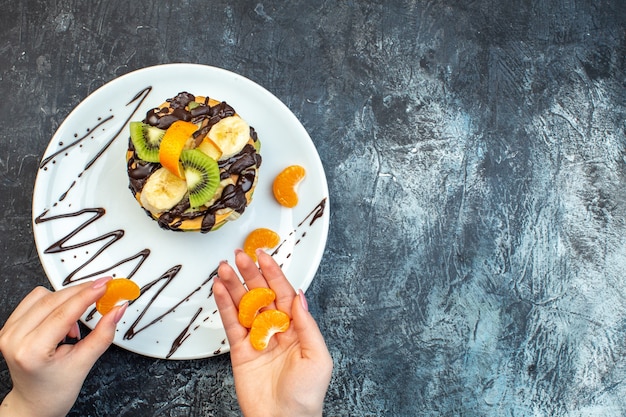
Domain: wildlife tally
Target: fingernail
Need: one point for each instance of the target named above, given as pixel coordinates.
(77, 331)
(100, 282)
(120, 312)
(303, 301)
(238, 251)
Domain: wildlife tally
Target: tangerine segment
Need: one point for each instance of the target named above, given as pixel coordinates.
(117, 290)
(252, 302)
(286, 183)
(173, 143)
(260, 238)
(267, 324)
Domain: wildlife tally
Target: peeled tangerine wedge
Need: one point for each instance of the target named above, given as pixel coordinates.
(286, 183)
(174, 141)
(118, 289)
(252, 302)
(265, 325)
(230, 135)
(260, 238)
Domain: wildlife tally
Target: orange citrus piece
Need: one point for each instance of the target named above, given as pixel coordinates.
(285, 185)
(173, 143)
(267, 324)
(252, 302)
(260, 238)
(117, 290)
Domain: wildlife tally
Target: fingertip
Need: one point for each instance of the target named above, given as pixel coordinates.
(113, 317)
(300, 312)
(305, 325)
(303, 302)
(218, 286)
(100, 282)
(220, 268)
(74, 332)
(222, 297)
(120, 313)
(240, 252)
(263, 256)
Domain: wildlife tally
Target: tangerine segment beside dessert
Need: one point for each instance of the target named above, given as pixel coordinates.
(118, 289)
(251, 302)
(286, 183)
(260, 238)
(265, 325)
(193, 163)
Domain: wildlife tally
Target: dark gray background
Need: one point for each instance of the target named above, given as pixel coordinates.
(475, 155)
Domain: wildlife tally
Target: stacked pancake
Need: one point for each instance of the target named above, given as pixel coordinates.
(193, 163)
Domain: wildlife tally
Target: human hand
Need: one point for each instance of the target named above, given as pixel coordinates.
(290, 377)
(47, 377)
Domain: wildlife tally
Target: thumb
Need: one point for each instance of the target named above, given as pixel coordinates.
(98, 341)
(311, 339)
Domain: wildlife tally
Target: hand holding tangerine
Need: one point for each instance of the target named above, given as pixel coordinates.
(33, 331)
(291, 375)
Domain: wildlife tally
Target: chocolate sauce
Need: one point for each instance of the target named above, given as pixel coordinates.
(313, 216)
(243, 165)
(139, 173)
(183, 335)
(111, 238)
(68, 190)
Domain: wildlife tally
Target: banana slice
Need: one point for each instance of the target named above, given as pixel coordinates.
(230, 134)
(162, 191)
(218, 192)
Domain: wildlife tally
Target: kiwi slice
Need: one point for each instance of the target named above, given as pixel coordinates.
(192, 105)
(202, 175)
(257, 146)
(146, 140)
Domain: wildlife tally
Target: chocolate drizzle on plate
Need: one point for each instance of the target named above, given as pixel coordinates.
(110, 237)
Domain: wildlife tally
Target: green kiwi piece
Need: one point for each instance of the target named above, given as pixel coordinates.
(192, 105)
(202, 175)
(146, 140)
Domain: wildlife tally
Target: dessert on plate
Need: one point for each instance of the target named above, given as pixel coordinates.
(193, 163)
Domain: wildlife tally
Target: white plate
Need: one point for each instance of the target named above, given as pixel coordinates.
(87, 224)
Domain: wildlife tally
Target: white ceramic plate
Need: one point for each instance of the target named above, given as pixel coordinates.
(87, 224)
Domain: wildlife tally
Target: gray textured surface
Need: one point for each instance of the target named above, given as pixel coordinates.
(475, 154)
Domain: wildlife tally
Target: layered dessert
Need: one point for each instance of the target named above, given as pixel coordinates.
(193, 163)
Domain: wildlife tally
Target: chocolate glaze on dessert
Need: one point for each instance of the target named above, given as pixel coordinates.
(244, 164)
(73, 241)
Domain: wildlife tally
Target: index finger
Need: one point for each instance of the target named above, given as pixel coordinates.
(36, 307)
(228, 312)
(59, 321)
